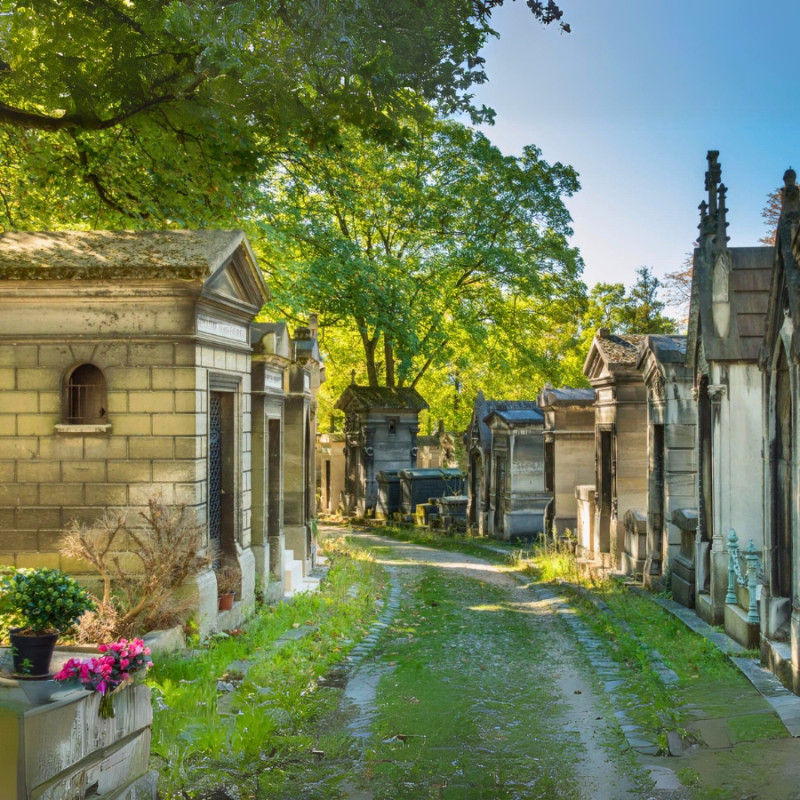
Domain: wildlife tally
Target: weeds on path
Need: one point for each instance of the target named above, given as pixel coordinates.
(232, 714)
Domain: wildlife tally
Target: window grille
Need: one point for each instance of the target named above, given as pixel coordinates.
(86, 396)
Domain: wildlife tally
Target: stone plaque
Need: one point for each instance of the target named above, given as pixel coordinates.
(225, 330)
(273, 380)
(307, 383)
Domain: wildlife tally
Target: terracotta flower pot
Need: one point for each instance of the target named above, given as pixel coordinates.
(225, 602)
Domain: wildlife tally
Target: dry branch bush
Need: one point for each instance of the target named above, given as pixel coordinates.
(168, 547)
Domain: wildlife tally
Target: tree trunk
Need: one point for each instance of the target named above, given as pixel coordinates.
(388, 352)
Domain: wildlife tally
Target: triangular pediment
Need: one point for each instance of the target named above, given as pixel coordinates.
(227, 282)
(237, 281)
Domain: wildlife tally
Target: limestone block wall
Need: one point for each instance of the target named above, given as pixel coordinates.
(574, 466)
(157, 442)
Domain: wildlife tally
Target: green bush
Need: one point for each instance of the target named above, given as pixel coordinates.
(40, 600)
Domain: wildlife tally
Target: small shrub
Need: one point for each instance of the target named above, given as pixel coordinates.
(42, 600)
(168, 547)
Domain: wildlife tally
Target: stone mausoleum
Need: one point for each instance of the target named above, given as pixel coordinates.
(126, 368)
(381, 427)
(620, 488)
(517, 499)
(568, 451)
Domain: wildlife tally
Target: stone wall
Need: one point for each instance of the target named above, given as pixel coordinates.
(65, 751)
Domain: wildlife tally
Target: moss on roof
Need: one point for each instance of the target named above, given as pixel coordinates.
(115, 255)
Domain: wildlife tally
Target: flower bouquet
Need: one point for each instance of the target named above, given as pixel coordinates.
(107, 673)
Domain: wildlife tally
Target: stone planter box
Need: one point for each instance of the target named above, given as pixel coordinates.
(62, 750)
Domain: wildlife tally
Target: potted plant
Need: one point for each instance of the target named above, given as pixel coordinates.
(42, 603)
(227, 585)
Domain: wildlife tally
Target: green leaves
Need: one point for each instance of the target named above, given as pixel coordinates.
(422, 257)
(45, 599)
(156, 111)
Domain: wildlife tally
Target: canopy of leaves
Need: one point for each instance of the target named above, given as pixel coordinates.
(445, 255)
(139, 114)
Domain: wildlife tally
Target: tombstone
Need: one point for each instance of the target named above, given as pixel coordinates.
(417, 486)
(671, 437)
(568, 451)
(381, 427)
(780, 353)
(684, 568)
(126, 372)
(436, 450)
(730, 294)
(453, 511)
(389, 494)
(517, 500)
(620, 438)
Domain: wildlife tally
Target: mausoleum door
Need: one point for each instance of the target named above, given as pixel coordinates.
(274, 490)
(221, 492)
(499, 494)
(782, 483)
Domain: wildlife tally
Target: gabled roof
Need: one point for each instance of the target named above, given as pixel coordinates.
(402, 398)
(222, 260)
(730, 286)
(550, 397)
(666, 349)
(612, 353)
(484, 408)
(785, 289)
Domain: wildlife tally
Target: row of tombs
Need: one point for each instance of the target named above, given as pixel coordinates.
(131, 366)
(679, 467)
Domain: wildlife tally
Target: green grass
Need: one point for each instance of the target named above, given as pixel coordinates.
(468, 707)
(203, 739)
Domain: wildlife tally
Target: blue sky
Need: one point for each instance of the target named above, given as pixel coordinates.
(633, 98)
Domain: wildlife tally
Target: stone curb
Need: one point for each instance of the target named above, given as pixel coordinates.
(785, 703)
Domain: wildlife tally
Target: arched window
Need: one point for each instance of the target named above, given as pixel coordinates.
(85, 396)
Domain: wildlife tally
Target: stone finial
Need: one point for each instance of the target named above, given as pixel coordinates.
(708, 208)
(721, 236)
(713, 177)
(790, 194)
(313, 325)
(703, 215)
(352, 377)
(604, 333)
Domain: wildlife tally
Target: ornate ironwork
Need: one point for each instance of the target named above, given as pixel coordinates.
(215, 471)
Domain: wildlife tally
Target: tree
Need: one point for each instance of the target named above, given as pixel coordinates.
(771, 213)
(136, 114)
(638, 310)
(429, 257)
(678, 289)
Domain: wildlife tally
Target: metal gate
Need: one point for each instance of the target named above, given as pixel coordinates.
(215, 471)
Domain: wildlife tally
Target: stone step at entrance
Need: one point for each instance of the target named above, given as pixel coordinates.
(294, 581)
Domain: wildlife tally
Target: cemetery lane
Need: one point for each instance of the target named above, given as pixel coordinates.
(472, 687)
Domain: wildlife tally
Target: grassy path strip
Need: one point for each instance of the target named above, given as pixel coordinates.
(483, 694)
(233, 717)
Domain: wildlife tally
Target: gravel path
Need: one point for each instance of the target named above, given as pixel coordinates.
(602, 772)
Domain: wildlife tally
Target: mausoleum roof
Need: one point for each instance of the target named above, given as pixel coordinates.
(518, 416)
(403, 398)
(565, 396)
(117, 255)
